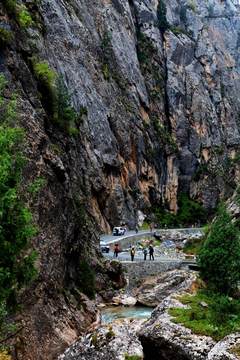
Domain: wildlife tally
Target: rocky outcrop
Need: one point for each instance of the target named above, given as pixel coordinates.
(227, 349)
(162, 338)
(109, 342)
(155, 289)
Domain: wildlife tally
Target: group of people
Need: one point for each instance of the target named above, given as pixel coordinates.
(146, 251)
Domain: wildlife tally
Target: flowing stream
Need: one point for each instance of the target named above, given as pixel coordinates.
(112, 313)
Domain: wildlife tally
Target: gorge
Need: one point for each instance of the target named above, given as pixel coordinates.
(128, 107)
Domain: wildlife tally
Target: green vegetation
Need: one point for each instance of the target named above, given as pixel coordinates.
(19, 12)
(164, 134)
(162, 16)
(219, 258)
(132, 357)
(56, 99)
(193, 246)
(24, 17)
(189, 212)
(110, 334)
(6, 37)
(86, 280)
(149, 63)
(64, 113)
(208, 314)
(17, 260)
(36, 185)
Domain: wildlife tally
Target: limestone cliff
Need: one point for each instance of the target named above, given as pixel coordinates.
(157, 89)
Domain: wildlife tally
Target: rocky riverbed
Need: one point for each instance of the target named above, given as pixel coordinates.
(155, 337)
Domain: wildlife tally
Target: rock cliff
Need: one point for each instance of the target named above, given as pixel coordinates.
(157, 92)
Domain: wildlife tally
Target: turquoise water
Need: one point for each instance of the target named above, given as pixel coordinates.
(110, 314)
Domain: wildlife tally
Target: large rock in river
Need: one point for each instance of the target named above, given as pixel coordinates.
(155, 289)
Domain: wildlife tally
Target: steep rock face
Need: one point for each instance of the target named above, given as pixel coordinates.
(162, 104)
(162, 116)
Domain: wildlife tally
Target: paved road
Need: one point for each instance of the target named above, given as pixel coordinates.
(125, 256)
(109, 239)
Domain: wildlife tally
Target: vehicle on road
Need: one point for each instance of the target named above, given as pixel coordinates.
(104, 248)
(118, 230)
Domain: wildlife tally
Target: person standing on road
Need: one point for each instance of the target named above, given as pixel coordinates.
(132, 252)
(136, 229)
(116, 250)
(151, 251)
(145, 253)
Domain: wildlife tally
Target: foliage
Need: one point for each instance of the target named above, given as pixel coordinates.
(24, 17)
(193, 246)
(164, 134)
(189, 212)
(19, 12)
(10, 6)
(56, 99)
(86, 281)
(44, 73)
(36, 185)
(132, 357)
(208, 314)
(219, 258)
(16, 268)
(6, 37)
(64, 113)
(162, 16)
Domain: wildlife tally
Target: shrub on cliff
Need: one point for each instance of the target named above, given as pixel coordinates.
(16, 227)
(86, 280)
(219, 258)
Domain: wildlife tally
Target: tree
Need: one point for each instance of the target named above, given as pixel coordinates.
(16, 227)
(219, 258)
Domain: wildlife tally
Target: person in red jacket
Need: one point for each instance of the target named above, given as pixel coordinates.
(116, 250)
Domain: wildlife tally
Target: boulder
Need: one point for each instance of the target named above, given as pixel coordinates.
(165, 340)
(108, 342)
(154, 290)
(124, 300)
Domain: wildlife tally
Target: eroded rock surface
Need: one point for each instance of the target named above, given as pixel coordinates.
(109, 342)
(155, 289)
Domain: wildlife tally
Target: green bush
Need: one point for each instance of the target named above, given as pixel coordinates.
(23, 17)
(189, 212)
(19, 12)
(6, 37)
(219, 258)
(64, 113)
(10, 6)
(86, 281)
(16, 268)
(56, 99)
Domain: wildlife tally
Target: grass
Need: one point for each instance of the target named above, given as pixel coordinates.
(208, 314)
(132, 357)
(193, 246)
